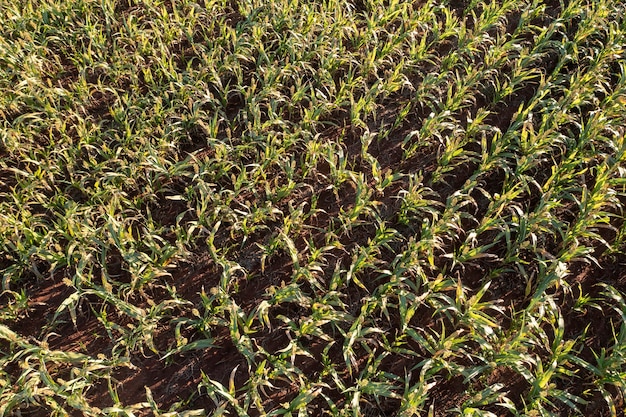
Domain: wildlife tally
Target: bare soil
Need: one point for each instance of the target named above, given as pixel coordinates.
(177, 378)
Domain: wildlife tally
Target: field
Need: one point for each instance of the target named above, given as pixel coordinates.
(312, 208)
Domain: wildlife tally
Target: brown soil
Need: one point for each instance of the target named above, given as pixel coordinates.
(179, 377)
